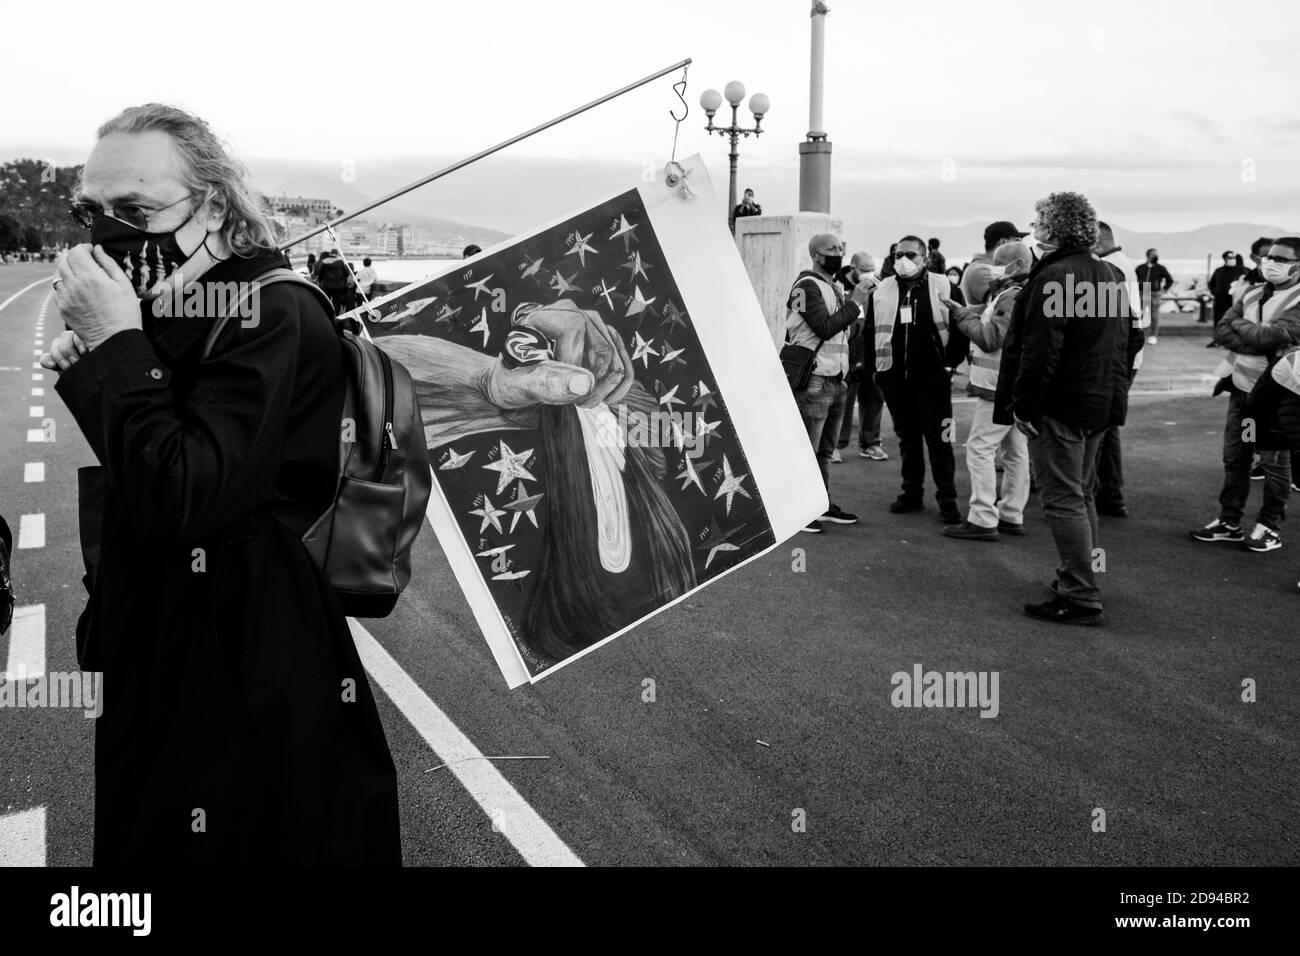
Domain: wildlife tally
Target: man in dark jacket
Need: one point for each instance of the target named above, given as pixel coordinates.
(1155, 281)
(1222, 281)
(1063, 382)
(241, 728)
(917, 345)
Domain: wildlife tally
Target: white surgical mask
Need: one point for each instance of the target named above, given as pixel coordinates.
(1275, 272)
(906, 268)
(997, 272)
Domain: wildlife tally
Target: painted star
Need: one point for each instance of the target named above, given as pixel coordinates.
(493, 552)
(637, 265)
(603, 290)
(673, 316)
(732, 485)
(638, 303)
(511, 575)
(523, 506)
(642, 350)
(581, 248)
(482, 326)
(411, 308)
(527, 268)
(480, 286)
(672, 356)
(490, 515)
(716, 541)
(454, 460)
(705, 429)
(670, 398)
(705, 398)
(626, 230)
(689, 476)
(562, 285)
(510, 466)
(447, 314)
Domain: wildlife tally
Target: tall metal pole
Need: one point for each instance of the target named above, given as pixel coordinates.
(480, 155)
(815, 151)
(735, 162)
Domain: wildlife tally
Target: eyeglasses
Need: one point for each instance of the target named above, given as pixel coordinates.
(84, 212)
(914, 256)
(1280, 260)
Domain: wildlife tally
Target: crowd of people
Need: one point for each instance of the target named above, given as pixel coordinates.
(1052, 324)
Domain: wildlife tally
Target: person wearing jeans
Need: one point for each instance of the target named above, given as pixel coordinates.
(1264, 322)
(865, 393)
(819, 318)
(1063, 381)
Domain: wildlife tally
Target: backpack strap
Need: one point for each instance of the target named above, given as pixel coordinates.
(271, 277)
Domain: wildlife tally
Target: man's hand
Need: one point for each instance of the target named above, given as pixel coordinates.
(94, 295)
(1026, 428)
(66, 348)
(581, 339)
(862, 291)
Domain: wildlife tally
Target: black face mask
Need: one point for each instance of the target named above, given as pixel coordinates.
(832, 264)
(146, 257)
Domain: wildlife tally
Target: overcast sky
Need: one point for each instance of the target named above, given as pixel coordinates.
(1168, 115)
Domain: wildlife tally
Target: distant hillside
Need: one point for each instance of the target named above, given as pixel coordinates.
(347, 197)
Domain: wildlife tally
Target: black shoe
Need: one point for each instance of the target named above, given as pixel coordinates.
(1112, 509)
(1015, 528)
(1061, 610)
(949, 514)
(838, 515)
(1218, 530)
(813, 527)
(903, 504)
(970, 532)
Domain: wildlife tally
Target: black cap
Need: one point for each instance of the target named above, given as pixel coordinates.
(1002, 230)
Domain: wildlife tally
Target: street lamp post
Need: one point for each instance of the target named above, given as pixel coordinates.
(758, 105)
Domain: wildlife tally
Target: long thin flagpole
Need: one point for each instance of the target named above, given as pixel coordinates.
(477, 156)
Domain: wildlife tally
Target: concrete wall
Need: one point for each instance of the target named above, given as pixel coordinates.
(775, 250)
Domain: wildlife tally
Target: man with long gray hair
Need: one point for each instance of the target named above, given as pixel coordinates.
(239, 725)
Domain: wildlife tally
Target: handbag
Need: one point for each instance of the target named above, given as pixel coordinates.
(798, 362)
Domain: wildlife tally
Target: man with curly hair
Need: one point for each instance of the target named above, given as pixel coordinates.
(1063, 382)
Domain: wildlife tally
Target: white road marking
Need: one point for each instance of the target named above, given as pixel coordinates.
(24, 289)
(38, 392)
(22, 838)
(36, 434)
(536, 842)
(26, 643)
(31, 531)
(38, 376)
(34, 471)
(38, 352)
(36, 411)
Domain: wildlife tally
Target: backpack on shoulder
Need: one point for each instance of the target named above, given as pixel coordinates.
(363, 540)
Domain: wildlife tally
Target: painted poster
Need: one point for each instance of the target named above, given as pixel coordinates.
(608, 424)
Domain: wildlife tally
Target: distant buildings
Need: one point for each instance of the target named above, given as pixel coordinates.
(293, 215)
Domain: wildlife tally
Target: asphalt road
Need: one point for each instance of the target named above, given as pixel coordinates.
(772, 687)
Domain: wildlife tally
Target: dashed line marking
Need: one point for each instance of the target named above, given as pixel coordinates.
(22, 838)
(36, 435)
(38, 392)
(34, 471)
(31, 531)
(27, 644)
(36, 411)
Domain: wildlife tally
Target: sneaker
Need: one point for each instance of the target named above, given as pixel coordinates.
(949, 514)
(1257, 473)
(1061, 610)
(1295, 488)
(970, 532)
(1016, 528)
(874, 452)
(1218, 530)
(813, 527)
(903, 504)
(1151, 340)
(836, 458)
(1262, 539)
(838, 515)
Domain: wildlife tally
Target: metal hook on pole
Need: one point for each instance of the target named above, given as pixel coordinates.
(681, 65)
(680, 89)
